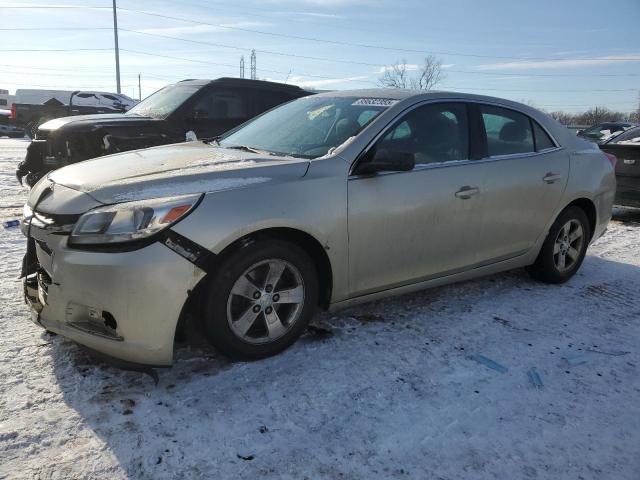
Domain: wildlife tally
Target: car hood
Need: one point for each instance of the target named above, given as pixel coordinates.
(102, 119)
(178, 169)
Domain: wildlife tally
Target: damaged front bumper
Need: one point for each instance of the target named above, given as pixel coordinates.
(125, 305)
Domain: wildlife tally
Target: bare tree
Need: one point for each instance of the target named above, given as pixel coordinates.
(563, 117)
(635, 116)
(427, 76)
(395, 76)
(599, 115)
(591, 117)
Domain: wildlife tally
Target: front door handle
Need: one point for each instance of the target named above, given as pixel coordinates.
(467, 192)
(551, 177)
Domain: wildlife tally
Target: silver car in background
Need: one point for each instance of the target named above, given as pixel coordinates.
(326, 201)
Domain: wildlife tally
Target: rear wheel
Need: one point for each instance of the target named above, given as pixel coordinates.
(564, 248)
(261, 299)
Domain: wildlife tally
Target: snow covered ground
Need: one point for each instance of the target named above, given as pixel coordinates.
(391, 392)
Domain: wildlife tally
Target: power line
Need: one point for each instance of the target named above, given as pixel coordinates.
(360, 45)
(28, 29)
(55, 7)
(334, 42)
(206, 62)
(55, 49)
(355, 62)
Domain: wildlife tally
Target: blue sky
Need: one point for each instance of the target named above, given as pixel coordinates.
(558, 55)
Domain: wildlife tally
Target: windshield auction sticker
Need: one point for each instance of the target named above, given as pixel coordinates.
(375, 102)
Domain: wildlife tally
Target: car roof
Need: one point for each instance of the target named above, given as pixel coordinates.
(243, 82)
(420, 95)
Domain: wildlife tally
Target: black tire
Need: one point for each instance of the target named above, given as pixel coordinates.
(545, 268)
(218, 291)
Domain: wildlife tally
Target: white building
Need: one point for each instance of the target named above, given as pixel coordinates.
(6, 100)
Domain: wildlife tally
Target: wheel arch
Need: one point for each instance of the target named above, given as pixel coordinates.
(589, 208)
(310, 244)
(192, 307)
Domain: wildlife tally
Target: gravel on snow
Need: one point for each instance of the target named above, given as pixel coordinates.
(391, 392)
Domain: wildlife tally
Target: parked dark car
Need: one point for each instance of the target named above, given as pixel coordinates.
(182, 111)
(11, 131)
(8, 127)
(626, 147)
(602, 132)
(29, 113)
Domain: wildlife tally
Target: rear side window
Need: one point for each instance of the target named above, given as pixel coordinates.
(543, 141)
(433, 133)
(508, 132)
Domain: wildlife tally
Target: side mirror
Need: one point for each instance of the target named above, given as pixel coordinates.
(387, 161)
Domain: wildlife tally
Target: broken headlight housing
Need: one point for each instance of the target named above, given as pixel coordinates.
(131, 221)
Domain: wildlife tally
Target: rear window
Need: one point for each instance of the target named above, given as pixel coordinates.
(508, 132)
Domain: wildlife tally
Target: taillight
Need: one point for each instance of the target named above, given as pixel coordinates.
(13, 115)
(613, 159)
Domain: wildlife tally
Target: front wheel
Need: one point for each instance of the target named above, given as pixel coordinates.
(261, 299)
(564, 248)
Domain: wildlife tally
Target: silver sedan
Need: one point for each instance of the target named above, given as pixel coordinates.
(326, 201)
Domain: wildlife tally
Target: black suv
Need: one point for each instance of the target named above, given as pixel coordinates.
(186, 110)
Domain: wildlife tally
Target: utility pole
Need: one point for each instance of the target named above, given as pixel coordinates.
(242, 66)
(139, 88)
(253, 64)
(115, 36)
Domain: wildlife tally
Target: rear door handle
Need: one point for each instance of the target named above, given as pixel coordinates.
(551, 177)
(467, 192)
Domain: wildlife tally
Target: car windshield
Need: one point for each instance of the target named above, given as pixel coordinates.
(164, 102)
(631, 137)
(308, 127)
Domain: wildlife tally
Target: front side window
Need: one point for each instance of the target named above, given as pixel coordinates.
(308, 127)
(221, 105)
(508, 132)
(433, 133)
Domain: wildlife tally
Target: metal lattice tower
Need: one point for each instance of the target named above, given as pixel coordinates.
(242, 66)
(253, 65)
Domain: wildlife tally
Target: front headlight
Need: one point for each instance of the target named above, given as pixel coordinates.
(131, 221)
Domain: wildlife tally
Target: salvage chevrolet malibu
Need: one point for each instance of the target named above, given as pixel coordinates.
(323, 202)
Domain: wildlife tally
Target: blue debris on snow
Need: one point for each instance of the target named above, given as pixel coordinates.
(534, 378)
(487, 362)
(576, 359)
(11, 223)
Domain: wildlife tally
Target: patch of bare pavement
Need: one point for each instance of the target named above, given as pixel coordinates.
(500, 377)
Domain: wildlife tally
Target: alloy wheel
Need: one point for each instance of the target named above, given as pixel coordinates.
(568, 245)
(265, 301)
